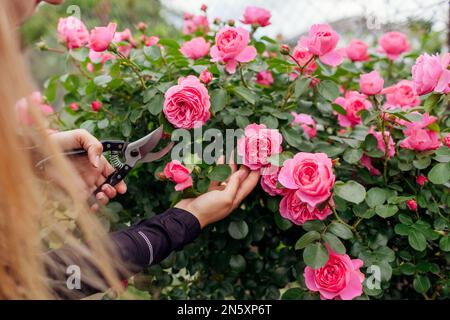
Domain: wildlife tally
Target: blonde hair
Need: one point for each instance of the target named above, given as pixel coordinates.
(27, 196)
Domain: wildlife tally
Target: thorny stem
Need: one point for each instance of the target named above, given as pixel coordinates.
(133, 67)
(242, 76)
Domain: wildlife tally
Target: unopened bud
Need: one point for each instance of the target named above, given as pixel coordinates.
(141, 26)
(217, 21)
(204, 7)
(231, 22)
(41, 45)
(285, 50)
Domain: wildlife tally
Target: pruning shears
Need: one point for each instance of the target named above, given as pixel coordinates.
(132, 152)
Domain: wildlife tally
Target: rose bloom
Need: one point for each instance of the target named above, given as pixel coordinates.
(366, 162)
(176, 172)
(302, 56)
(258, 144)
(353, 102)
(73, 32)
(419, 137)
(430, 73)
(195, 23)
(421, 179)
(322, 41)
(264, 78)
(357, 50)
(36, 100)
(381, 144)
(187, 104)
(339, 278)
(232, 47)
(306, 122)
(96, 105)
(446, 140)
(411, 204)
(97, 57)
(256, 16)
(205, 76)
(269, 181)
(311, 174)
(101, 37)
(371, 83)
(393, 44)
(124, 36)
(196, 48)
(152, 40)
(298, 212)
(402, 94)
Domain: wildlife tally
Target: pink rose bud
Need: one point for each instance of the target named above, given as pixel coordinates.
(284, 49)
(101, 37)
(73, 32)
(73, 106)
(446, 140)
(393, 44)
(421, 179)
(96, 105)
(264, 78)
(231, 22)
(176, 172)
(411, 204)
(371, 83)
(142, 26)
(196, 48)
(217, 21)
(357, 50)
(204, 7)
(256, 16)
(206, 76)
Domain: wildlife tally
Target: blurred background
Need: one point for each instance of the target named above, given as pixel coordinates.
(426, 21)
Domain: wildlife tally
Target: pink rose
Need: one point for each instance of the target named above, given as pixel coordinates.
(194, 23)
(205, 76)
(37, 99)
(74, 106)
(446, 140)
(256, 16)
(381, 144)
(353, 102)
(371, 83)
(232, 47)
(96, 105)
(430, 73)
(97, 57)
(24, 116)
(421, 179)
(402, 94)
(366, 162)
(196, 48)
(176, 172)
(306, 122)
(73, 32)
(411, 204)
(304, 59)
(101, 37)
(269, 181)
(357, 50)
(322, 41)
(151, 41)
(339, 278)
(187, 104)
(258, 144)
(393, 44)
(298, 212)
(124, 36)
(419, 137)
(264, 78)
(311, 174)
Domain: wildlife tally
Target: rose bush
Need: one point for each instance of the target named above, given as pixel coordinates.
(352, 143)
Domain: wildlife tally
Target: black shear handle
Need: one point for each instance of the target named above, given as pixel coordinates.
(113, 179)
(108, 145)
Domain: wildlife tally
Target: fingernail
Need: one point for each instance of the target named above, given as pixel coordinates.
(99, 196)
(97, 161)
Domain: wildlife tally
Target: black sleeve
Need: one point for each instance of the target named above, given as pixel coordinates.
(145, 243)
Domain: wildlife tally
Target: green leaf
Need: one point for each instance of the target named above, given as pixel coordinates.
(270, 121)
(103, 80)
(442, 154)
(51, 89)
(341, 230)
(242, 121)
(351, 191)
(221, 172)
(440, 173)
(292, 294)
(328, 89)
(203, 185)
(444, 243)
(282, 223)
(102, 124)
(300, 86)
(407, 268)
(421, 283)
(352, 155)
(422, 163)
(334, 243)
(375, 196)
(218, 99)
(169, 43)
(417, 240)
(306, 239)
(238, 229)
(431, 102)
(238, 263)
(315, 255)
(386, 210)
(339, 109)
(153, 52)
(155, 106)
(291, 136)
(245, 94)
(402, 229)
(126, 129)
(136, 114)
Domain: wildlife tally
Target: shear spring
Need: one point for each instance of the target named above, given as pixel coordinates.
(114, 159)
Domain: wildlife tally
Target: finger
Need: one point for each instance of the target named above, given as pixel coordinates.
(232, 163)
(95, 207)
(109, 191)
(90, 143)
(102, 198)
(121, 187)
(233, 185)
(246, 187)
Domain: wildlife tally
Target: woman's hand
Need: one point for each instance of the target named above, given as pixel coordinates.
(222, 199)
(93, 169)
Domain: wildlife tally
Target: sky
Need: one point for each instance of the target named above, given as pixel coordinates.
(293, 17)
